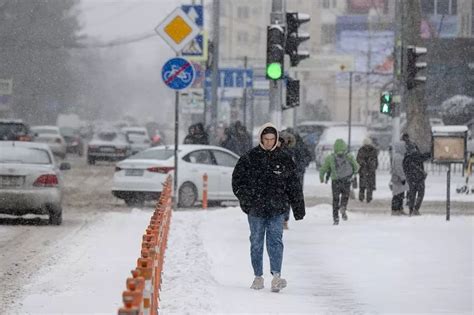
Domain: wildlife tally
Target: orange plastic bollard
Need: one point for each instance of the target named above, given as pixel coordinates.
(204, 191)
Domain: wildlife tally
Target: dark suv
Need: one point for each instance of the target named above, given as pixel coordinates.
(15, 130)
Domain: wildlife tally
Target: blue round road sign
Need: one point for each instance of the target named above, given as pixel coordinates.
(178, 73)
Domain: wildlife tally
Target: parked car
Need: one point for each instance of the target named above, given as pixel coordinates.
(138, 138)
(51, 136)
(108, 145)
(329, 136)
(311, 132)
(15, 130)
(74, 142)
(30, 180)
(140, 177)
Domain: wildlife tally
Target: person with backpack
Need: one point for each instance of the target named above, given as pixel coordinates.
(341, 166)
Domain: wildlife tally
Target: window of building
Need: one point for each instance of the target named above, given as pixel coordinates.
(427, 6)
(243, 12)
(439, 7)
(334, 3)
(442, 7)
(326, 4)
(454, 7)
(328, 34)
(242, 37)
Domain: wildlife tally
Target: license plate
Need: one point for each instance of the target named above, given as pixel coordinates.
(107, 150)
(134, 172)
(11, 181)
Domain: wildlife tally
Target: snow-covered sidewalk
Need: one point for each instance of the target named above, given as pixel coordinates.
(369, 264)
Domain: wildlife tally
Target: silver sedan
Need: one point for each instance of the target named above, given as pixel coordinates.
(30, 180)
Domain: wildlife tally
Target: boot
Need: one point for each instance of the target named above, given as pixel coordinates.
(278, 283)
(344, 214)
(257, 283)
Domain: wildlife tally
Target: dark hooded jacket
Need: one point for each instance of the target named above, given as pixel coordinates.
(368, 163)
(266, 183)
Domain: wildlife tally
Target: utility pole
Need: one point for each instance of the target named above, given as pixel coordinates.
(245, 94)
(277, 16)
(215, 62)
(398, 73)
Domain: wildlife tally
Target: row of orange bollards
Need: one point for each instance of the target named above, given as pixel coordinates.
(142, 294)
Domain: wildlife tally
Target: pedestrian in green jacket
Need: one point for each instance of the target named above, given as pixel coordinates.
(341, 166)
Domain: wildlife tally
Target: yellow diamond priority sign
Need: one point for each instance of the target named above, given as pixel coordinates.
(177, 29)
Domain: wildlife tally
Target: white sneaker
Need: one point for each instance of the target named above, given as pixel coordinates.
(278, 283)
(257, 283)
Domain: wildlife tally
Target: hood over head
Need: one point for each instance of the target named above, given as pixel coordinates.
(340, 147)
(268, 128)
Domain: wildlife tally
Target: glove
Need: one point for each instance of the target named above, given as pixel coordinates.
(299, 216)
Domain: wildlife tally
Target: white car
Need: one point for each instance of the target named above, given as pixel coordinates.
(108, 145)
(138, 138)
(51, 135)
(141, 176)
(30, 180)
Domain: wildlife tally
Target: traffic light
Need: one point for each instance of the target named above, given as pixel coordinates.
(292, 93)
(295, 37)
(414, 66)
(386, 103)
(275, 52)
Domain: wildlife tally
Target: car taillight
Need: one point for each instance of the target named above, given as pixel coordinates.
(118, 168)
(46, 180)
(160, 169)
(24, 138)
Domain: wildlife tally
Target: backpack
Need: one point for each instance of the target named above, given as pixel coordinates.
(343, 166)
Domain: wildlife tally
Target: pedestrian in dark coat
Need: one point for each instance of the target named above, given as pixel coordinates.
(368, 163)
(265, 182)
(416, 175)
(398, 184)
(230, 142)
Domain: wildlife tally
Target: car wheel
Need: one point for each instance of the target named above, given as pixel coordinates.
(90, 160)
(134, 201)
(187, 195)
(55, 216)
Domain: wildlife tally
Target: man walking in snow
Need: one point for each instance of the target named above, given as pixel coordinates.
(266, 184)
(341, 166)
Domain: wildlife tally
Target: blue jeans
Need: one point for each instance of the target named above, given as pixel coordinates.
(273, 228)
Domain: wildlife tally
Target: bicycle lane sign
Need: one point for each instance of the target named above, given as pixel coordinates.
(178, 73)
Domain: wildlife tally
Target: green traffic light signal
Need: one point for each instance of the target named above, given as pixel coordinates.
(387, 98)
(274, 71)
(385, 108)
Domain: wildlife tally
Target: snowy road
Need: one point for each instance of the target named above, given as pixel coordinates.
(372, 264)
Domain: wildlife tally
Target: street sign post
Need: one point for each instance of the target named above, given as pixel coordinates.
(177, 29)
(178, 73)
(197, 48)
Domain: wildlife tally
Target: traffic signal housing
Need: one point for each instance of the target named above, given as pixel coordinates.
(414, 66)
(294, 37)
(292, 93)
(275, 52)
(386, 103)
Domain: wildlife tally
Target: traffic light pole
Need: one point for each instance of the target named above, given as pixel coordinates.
(215, 62)
(277, 16)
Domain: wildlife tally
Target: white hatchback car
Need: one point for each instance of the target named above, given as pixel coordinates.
(141, 176)
(30, 180)
(51, 135)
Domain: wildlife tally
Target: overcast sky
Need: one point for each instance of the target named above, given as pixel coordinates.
(109, 20)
